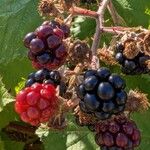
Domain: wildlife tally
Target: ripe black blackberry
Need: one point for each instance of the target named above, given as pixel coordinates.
(46, 46)
(102, 93)
(131, 65)
(118, 134)
(44, 76)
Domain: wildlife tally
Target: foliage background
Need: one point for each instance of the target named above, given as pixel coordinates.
(18, 17)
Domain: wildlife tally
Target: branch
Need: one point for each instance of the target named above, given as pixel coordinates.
(75, 11)
(114, 30)
(97, 35)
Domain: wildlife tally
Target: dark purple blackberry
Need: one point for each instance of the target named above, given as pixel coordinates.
(28, 38)
(36, 45)
(46, 46)
(117, 135)
(102, 93)
(44, 58)
(44, 31)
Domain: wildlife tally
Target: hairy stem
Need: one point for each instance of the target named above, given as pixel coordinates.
(83, 12)
(97, 35)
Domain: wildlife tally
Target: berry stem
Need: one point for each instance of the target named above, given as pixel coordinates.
(97, 35)
(83, 12)
(114, 30)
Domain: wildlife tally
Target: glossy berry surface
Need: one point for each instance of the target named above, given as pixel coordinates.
(44, 76)
(102, 93)
(36, 104)
(28, 38)
(134, 66)
(117, 134)
(46, 46)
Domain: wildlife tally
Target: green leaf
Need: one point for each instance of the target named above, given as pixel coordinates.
(5, 97)
(18, 17)
(80, 27)
(16, 20)
(11, 145)
(1, 144)
(143, 122)
(20, 85)
(134, 12)
(72, 138)
(14, 71)
(7, 115)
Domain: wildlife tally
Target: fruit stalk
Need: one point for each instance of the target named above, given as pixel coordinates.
(99, 25)
(83, 12)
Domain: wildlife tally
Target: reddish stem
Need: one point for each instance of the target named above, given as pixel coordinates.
(83, 12)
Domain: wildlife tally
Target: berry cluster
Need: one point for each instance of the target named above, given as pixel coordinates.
(118, 134)
(46, 46)
(44, 76)
(102, 93)
(36, 104)
(131, 65)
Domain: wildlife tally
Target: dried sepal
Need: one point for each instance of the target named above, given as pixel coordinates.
(58, 122)
(84, 118)
(73, 79)
(137, 101)
(50, 8)
(67, 4)
(147, 43)
(131, 50)
(79, 52)
(148, 64)
(106, 56)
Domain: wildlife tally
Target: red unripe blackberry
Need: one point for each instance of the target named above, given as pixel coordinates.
(115, 135)
(36, 104)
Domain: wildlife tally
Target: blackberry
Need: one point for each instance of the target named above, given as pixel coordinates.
(37, 104)
(117, 134)
(28, 38)
(131, 65)
(44, 76)
(46, 46)
(102, 93)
